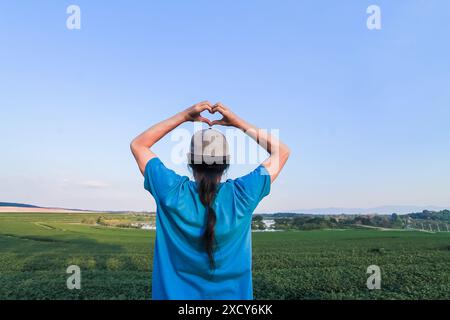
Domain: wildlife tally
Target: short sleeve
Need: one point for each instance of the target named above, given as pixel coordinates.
(253, 187)
(159, 180)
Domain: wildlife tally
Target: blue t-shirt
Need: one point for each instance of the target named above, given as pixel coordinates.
(181, 266)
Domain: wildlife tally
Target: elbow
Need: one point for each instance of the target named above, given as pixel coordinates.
(286, 151)
(133, 146)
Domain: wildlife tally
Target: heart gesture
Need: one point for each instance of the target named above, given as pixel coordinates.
(142, 144)
(228, 117)
(193, 113)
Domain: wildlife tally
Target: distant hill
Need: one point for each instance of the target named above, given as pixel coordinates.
(375, 210)
(18, 205)
(22, 207)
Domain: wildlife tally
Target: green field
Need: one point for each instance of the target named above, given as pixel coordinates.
(36, 249)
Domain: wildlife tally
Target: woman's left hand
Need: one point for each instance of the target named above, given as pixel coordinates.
(193, 113)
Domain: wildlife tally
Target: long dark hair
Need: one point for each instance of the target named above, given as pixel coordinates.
(208, 177)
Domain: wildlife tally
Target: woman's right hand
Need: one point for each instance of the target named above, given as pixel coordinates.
(228, 117)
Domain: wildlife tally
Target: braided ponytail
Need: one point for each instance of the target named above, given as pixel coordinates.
(208, 177)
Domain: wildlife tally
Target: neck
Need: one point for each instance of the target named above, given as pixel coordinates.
(198, 176)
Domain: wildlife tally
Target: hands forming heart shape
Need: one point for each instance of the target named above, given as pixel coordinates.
(228, 117)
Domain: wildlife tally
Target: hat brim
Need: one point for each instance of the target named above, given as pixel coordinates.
(199, 159)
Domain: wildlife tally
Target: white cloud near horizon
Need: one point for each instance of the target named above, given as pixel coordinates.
(94, 184)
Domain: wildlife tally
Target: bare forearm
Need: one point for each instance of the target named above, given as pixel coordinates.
(266, 140)
(279, 152)
(152, 135)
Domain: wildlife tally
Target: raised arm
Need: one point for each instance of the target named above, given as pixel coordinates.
(279, 152)
(140, 146)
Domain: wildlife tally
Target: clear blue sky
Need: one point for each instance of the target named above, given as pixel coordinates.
(366, 113)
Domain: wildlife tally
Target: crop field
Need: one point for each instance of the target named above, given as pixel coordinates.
(116, 263)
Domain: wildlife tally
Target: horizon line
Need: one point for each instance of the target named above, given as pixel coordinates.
(298, 211)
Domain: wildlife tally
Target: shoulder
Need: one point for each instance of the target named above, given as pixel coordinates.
(253, 183)
(160, 180)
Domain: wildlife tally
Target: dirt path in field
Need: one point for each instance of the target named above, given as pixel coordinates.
(391, 229)
(38, 210)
